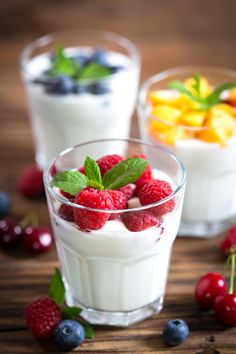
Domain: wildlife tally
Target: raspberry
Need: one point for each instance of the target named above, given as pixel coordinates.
(105, 163)
(120, 200)
(139, 221)
(140, 185)
(128, 190)
(228, 245)
(154, 191)
(82, 170)
(30, 182)
(92, 198)
(66, 212)
(42, 316)
(147, 174)
(67, 195)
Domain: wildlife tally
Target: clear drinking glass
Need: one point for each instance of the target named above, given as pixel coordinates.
(99, 108)
(116, 276)
(210, 199)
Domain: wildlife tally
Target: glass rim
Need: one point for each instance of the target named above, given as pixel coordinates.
(106, 35)
(64, 200)
(142, 104)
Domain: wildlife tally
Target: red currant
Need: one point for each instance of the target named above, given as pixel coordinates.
(37, 240)
(225, 308)
(208, 287)
(10, 233)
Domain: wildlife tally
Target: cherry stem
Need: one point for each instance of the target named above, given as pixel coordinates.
(232, 274)
(30, 218)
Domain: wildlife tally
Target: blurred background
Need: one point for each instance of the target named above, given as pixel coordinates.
(168, 33)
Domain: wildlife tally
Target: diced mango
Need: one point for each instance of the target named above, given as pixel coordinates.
(168, 136)
(205, 88)
(166, 113)
(193, 118)
(167, 97)
(185, 104)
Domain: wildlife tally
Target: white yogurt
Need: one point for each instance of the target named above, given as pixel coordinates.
(62, 121)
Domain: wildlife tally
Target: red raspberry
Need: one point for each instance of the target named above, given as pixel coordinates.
(140, 185)
(66, 212)
(140, 220)
(120, 200)
(82, 170)
(128, 190)
(105, 163)
(92, 198)
(30, 182)
(154, 191)
(228, 245)
(67, 195)
(147, 174)
(42, 316)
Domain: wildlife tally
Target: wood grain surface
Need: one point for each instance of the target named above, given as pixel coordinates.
(168, 33)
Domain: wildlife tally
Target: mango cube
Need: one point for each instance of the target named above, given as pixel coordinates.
(167, 97)
(205, 88)
(193, 118)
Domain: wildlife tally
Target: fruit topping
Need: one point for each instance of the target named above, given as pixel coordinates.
(140, 220)
(105, 163)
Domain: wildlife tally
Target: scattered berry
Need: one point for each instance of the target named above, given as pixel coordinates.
(128, 190)
(147, 174)
(225, 309)
(105, 163)
(42, 316)
(66, 212)
(69, 334)
(92, 198)
(37, 240)
(139, 221)
(154, 191)
(5, 204)
(208, 287)
(30, 182)
(175, 332)
(229, 242)
(10, 233)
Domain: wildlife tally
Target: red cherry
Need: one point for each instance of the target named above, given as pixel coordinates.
(10, 233)
(208, 287)
(225, 308)
(37, 240)
(30, 182)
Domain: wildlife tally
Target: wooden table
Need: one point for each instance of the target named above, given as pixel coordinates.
(168, 33)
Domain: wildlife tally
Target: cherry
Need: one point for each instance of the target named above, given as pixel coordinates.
(208, 287)
(10, 233)
(225, 308)
(37, 240)
(30, 182)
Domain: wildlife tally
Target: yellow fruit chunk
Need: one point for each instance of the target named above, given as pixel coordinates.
(193, 119)
(232, 94)
(205, 88)
(185, 104)
(167, 97)
(167, 113)
(220, 123)
(168, 136)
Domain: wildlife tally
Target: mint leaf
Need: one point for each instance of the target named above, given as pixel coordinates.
(71, 312)
(125, 172)
(214, 97)
(62, 65)
(94, 71)
(57, 288)
(95, 185)
(92, 170)
(70, 181)
(89, 331)
(179, 86)
(197, 84)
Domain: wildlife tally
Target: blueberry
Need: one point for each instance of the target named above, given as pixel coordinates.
(69, 334)
(60, 85)
(5, 204)
(82, 59)
(175, 332)
(99, 88)
(78, 89)
(114, 69)
(100, 57)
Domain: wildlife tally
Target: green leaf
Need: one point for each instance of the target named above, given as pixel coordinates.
(57, 288)
(125, 172)
(70, 181)
(89, 331)
(179, 86)
(95, 185)
(94, 71)
(62, 65)
(71, 312)
(197, 84)
(92, 170)
(214, 97)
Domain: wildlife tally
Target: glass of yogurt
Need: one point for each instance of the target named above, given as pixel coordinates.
(115, 262)
(80, 86)
(192, 112)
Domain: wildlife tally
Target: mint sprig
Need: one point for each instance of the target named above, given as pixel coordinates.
(125, 172)
(94, 71)
(57, 293)
(204, 102)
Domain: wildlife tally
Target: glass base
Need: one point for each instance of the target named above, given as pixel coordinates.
(119, 319)
(204, 229)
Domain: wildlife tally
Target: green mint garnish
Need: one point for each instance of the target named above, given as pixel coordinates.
(94, 71)
(204, 102)
(127, 171)
(71, 312)
(63, 65)
(70, 181)
(92, 170)
(57, 288)
(95, 185)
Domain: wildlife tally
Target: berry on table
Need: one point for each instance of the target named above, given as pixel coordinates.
(229, 243)
(105, 163)
(30, 183)
(69, 334)
(139, 221)
(225, 309)
(88, 220)
(37, 240)
(5, 204)
(42, 316)
(208, 287)
(10, 233)
(175, 332)
(154, 191)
